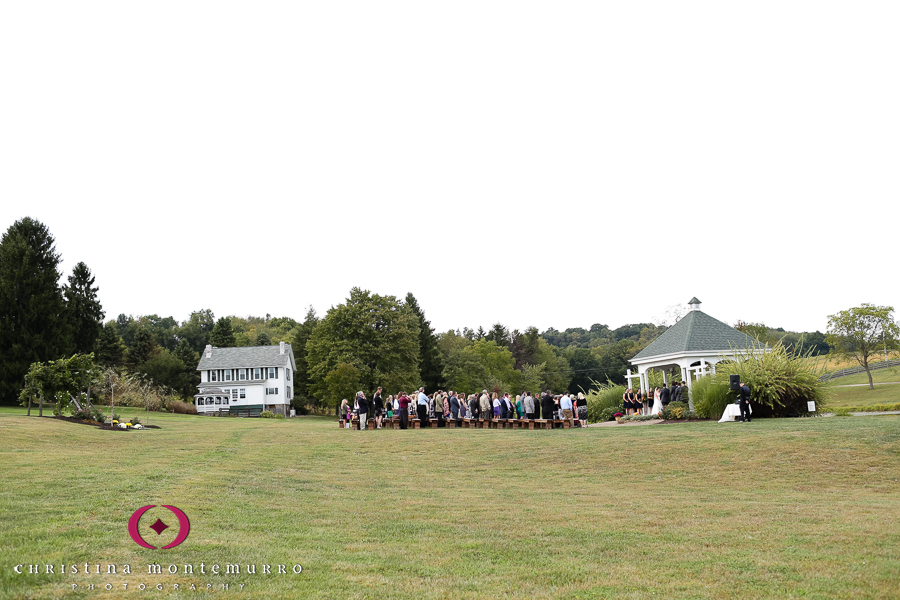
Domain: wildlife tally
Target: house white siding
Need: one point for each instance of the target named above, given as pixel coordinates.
(241, 379)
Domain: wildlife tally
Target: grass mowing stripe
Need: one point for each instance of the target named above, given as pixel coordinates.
(768, 509)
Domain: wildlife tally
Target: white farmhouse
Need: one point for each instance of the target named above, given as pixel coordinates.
(246, 380)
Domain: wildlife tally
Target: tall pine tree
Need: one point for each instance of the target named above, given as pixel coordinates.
(298, 344)
(109, 350)
(222, 335)
(83, 308)
(431, 367)
(33, 324)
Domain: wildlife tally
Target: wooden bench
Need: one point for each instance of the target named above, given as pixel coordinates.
(526, 424)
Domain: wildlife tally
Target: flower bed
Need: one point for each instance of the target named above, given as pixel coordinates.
(116, 426)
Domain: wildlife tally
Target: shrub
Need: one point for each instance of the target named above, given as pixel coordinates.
(608, 414)
(674, 411)
(183, 408)
(84, 414)
(279, 416)
(267, 414)
(842, 412)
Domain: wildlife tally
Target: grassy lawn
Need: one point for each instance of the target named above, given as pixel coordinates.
(771, 509)
(863, 396)
(878, 376)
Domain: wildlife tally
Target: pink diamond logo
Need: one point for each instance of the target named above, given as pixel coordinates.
(159, 527)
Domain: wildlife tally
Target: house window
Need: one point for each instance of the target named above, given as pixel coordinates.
(272, 372)
(212, 376)
(228, 375)
(242, 375)
(287, 373)
(256, 374)
(243, 393)
(271, 391)
(234, 393)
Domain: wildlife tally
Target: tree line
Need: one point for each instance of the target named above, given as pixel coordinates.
(366, 341)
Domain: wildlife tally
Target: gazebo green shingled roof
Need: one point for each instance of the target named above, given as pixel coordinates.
(696, 332)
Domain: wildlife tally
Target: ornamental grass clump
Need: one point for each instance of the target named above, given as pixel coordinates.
(603, 396)
(780, 383)
(711, 395)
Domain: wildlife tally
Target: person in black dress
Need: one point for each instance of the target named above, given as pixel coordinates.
(379, 408)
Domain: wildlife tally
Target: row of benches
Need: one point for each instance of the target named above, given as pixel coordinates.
(394, 423)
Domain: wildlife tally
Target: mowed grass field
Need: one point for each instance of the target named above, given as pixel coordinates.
(863, 396)
(771, 509)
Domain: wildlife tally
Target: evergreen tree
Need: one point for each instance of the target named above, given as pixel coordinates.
(222, 335)
(144, 348)
(190, 359)
(83, 308)
(499, 334)
(262, 339)
(298, 344)
(430, 360)
(109, 350)
(33, 324)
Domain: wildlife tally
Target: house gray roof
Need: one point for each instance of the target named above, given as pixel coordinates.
(212, 391)
(697, 332)
(248, 357)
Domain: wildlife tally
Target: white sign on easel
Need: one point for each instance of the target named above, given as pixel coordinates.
(811, 406)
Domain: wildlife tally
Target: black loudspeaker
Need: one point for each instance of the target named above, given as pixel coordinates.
(735, 381)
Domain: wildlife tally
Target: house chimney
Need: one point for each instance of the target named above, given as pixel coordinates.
(208, 350)
(281, 347)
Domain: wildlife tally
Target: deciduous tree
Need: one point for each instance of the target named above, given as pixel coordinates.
(60, 381)
(378, 335)
(860, 332)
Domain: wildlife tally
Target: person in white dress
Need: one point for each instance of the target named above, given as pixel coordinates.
(657, 405)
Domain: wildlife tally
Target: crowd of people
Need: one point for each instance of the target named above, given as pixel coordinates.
(450, 408)
(653, 402)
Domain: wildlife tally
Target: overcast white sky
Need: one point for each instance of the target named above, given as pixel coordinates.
(534, 163)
